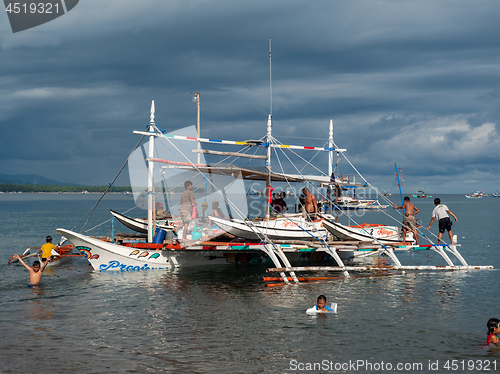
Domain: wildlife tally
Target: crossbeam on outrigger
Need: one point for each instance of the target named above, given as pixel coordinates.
(389, 250)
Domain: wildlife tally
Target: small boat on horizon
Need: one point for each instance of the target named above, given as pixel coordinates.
(421, 194)
(476, 195)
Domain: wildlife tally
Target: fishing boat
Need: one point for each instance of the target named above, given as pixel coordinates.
(285, 227)
(141, 225)
(349, 203)
(372, 232)
(496, 194)
(476, 195)
(219, 182)
(421, 194)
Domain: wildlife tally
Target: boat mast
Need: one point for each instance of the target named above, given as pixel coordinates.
(150, 172)
(330, 166)
(268, 139)
(268, 165)
(197, 99)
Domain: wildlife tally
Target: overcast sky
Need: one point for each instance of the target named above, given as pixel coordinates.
(417, 82)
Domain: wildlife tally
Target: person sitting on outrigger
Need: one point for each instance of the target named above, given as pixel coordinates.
(46, 249)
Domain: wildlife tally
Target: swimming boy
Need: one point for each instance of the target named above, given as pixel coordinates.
(322, 304)
(35, 272)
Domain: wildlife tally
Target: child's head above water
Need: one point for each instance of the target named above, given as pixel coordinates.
(321, 301)
(493, 324)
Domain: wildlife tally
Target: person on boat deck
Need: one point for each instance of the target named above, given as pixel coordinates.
(186, 206)
(35, 272)
(160, 212)
(409, 217)
(310, 204)
(441, 211)
(46, 249)
(321, 304)
(279, 204)
(493, 331)
(217, 211)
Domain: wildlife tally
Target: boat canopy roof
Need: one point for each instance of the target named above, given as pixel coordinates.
(261, 174)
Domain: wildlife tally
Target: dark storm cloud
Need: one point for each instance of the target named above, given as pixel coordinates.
(413, 82)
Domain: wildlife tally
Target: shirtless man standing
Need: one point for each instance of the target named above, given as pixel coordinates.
(310, 204)
(409, 217)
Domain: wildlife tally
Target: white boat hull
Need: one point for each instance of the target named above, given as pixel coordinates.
(382, 233)
(141, 225)
(104, 255)
(283, 228)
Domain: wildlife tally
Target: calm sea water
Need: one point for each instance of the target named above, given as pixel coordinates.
(222, 319)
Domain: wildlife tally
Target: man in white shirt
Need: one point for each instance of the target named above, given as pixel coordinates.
(441, 212)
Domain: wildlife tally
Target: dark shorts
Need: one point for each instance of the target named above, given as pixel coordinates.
(445, 224)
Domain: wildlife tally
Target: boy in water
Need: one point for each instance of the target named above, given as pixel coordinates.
(35, 272)
(322, 304)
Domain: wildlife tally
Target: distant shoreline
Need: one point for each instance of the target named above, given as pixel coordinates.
(36, 188)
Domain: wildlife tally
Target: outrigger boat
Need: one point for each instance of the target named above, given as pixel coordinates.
(380, 233)
(285, 227)
(349, 203)
(153, 252)
(141, 225)
(108, 253)
(61, 255)
(476, 195)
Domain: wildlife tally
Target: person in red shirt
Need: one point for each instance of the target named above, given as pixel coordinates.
(493, 331)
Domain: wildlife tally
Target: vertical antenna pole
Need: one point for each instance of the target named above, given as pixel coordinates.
(399, 184)
(150, 173)
(198, 123)
(330, 145)
(270, 82)
(269, 137)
